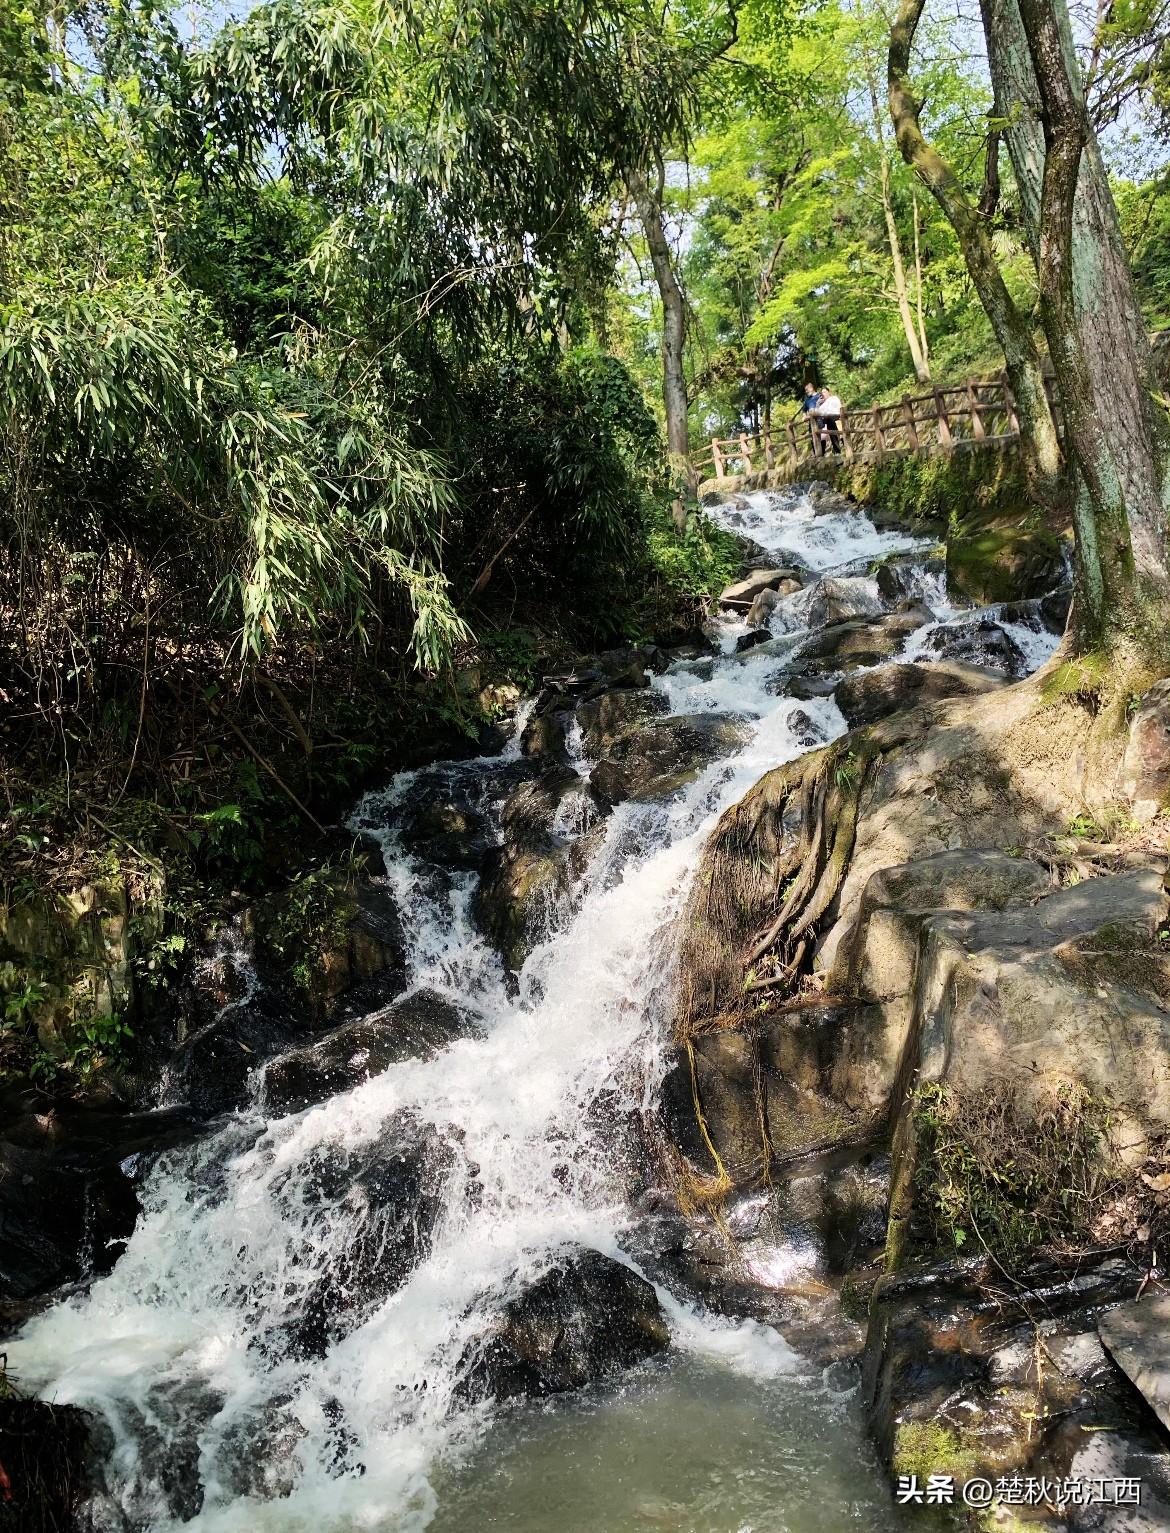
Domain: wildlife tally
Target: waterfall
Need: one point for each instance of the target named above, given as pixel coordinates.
(526, 1136)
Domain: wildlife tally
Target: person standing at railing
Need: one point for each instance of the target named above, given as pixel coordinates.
(808, 407)
(828, 412)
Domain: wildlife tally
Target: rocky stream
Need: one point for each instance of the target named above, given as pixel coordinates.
(490, 1242)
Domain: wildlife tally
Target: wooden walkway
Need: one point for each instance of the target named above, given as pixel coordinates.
(980, 413)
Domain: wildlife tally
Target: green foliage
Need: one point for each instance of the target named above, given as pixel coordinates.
(96, 1042)
(1008, 1175)
(698, 562)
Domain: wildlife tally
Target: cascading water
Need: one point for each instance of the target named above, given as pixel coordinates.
(522, 1138)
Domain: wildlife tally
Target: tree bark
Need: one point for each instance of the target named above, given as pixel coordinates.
(648, 200)
(1115, 431)
(1039, 445)
(915, 339)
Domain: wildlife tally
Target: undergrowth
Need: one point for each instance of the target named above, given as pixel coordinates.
(1010, 1176)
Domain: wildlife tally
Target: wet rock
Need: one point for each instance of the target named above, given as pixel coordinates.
(803, 687)
(324, 935)
(416, 1027)
(907, 577)
(748, 641)
(544, 735)
(744, 592)
(766, 603)
(1054, 609)
(867, 696)
(45, 1451)
(59, 1222)
(588, 1318)
(959, 1372)
(1003, 563)
(603, 718)
(826, 501)
(1135, 1336)
(781, 1086)
(980, 642)
(849, 646)
(839, 599)
(806, 729)
(527, 880)
(662, 756)
(442, 826)
(711, 1104)
(380, 1204)
(1145, 771)
(209, 1071)
(628, 667)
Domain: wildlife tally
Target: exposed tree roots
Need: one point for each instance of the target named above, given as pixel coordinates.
(771, 870)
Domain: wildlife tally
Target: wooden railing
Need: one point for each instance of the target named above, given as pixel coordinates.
(979, 413)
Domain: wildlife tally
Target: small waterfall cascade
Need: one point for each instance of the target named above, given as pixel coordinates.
(244, 1379)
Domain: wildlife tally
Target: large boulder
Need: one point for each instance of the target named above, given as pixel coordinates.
(744, 592)
(528, 879)
(210, 1071)
(866, 696)
(840, 598)
(603, 718)
(849, 646)
(545, 734)
(761, 610)
(416, 1027)
(970, 1375)
(908, 577)
(1003, 562)
(661, 756)
(1145, 769)
(979, 642)
(59, 1220)
(328, 932)
(588, 1318)
(375, 1209)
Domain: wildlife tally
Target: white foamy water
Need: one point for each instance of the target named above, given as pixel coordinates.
(530, 1138)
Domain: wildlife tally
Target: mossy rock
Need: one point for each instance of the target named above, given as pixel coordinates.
(327, 931)
(1004, 563)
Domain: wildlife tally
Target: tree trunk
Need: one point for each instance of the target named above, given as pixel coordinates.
(914, 339)
(1115, 431)
(1039, 445)
(918, 286)
(648, 200)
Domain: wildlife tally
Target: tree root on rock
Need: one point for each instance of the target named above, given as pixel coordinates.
(771, 871)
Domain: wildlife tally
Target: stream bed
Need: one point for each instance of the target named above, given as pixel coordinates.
(243, 1385)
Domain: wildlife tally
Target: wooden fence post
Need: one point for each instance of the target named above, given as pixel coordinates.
(790, 432)
(977, 430)
(911, 428)
(944, 426)
(747, 453)
(717, 458)
(878, 434)
(769, 450)
(1009, 400)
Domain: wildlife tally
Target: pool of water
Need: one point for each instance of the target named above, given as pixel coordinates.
(687, 1445)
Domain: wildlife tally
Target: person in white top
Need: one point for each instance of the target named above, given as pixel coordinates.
(828, 412)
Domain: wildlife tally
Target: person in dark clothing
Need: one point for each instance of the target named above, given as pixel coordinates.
(808, 407)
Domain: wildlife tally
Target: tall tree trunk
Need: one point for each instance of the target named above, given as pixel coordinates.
(918, 284)
(915, 340)
(1039, 445)
(648, 200)
(1115, 431)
